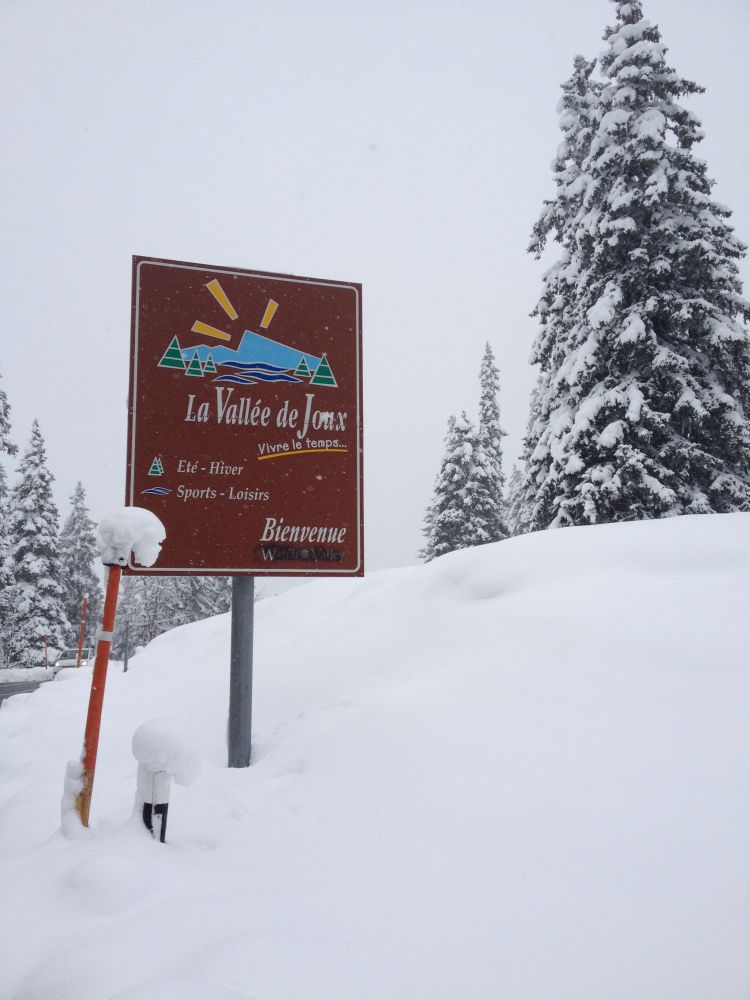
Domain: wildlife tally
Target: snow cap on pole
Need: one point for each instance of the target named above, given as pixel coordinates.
(130, 529)
(168, 745)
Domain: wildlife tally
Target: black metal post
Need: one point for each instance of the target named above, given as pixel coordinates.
(241, 671)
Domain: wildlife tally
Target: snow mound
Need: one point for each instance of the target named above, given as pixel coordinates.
(12, 675)
(110, 883)
(517, 771)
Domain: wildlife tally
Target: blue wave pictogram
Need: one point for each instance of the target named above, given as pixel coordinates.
(251, 375)
(246, 365)
(159, 491)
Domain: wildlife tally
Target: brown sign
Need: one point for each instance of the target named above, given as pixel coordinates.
(245, 419)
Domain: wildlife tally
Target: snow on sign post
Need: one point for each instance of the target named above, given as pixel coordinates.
(245, 429)
(245, 433)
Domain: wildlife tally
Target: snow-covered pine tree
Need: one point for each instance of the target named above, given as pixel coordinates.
(212, 596)
(490, 436)
(556, 309)
(220, 594)
(128, 621)
(157, 607)
(578, 118)
(146, 608)
(6, 567)
(483, 508)
(33, 522)
(646, 408)
(149, 606)
(183, 595)
(193, 598)
(427, 552)
(463, 503)
(427, 522)
(513, 500)
(578, 111)
(6, 581)
(78, 558)
(523, 495)
(6, 445)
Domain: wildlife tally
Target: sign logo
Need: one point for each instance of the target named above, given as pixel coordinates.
(256, 359)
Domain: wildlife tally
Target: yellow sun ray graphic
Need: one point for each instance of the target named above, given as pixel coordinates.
(209, 331)
(221, 297)
(269, 313)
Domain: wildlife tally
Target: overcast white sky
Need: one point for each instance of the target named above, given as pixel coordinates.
(405, 145)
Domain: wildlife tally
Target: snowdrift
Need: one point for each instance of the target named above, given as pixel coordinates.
(517, 772)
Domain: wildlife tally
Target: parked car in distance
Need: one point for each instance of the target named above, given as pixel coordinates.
(69, 658)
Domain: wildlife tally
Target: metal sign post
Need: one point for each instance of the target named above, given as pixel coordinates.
(241, 671)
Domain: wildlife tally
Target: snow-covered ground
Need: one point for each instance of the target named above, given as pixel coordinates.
(14, 675)
(519, 772)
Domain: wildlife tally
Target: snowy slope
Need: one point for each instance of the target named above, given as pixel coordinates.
(519, 772)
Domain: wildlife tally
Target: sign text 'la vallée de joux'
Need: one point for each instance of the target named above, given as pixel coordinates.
(245, 419)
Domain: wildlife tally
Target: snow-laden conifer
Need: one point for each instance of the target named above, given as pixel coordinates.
(156, 608)
(578, 110)
(427, 552)
(514, 500)
(33, 522)
(6, 582)
(146, 608)
(193, 598)
(151, 605)
(556, 309)
(463, 502)
(522, 495)
(78, 561)
(645, 361)
(490, 438)
(484, 520)
(6, 445)
(129, 633)
(6, 566)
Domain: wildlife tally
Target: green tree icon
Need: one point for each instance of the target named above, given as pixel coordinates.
(172, 357)
(209, 365)
(302, 370)
(194, 368)
(323, 374)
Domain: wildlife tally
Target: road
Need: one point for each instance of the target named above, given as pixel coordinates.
(17, 687)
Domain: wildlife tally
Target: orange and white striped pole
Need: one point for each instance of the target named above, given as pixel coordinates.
(135, 530)
(81, 634)
(96, 698)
